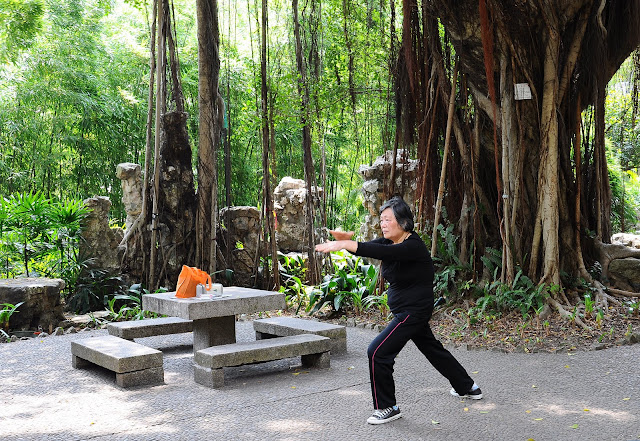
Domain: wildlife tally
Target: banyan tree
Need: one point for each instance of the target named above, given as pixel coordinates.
(521, 172)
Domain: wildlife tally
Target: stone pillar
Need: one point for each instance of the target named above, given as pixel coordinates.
(238, 238)
(375, 178)
(290, 205)
(131, 177)
(100, 240)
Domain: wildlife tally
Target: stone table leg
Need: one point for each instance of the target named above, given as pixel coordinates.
(213, 331)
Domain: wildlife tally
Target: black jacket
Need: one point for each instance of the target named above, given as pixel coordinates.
(408, 268)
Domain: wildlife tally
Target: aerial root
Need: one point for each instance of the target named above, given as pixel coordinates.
(602, 298)
(566, 314)
(622, 293)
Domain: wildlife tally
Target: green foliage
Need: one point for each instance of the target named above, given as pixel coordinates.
(31, 222)
(6, 312)
(73, 105)
(351, 285)
(40, 236)
(379, 302)
(623, 149)
(522, 295)
(20, 22)
(588, 305)
(625, 200)
(122, 307)
(73, 108)
(352, 281)
(93, 290)
(292, 273)
(449, 270)
(492, 261)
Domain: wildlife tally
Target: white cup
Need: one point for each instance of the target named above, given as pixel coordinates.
(216, 290)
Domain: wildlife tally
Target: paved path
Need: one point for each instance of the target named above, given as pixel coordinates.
(586, 396)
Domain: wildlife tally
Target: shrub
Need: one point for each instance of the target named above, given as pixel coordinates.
(352, 281)
(40, 237)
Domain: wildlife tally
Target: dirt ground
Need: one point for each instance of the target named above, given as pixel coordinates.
(512, 333)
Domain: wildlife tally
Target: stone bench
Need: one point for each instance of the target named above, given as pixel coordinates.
(149, 327)
(287, 326)
(133, 363)
(209, 362)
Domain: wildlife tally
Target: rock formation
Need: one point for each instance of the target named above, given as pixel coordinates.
(376, 178)
(290, 204)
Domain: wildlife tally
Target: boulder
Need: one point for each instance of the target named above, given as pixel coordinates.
(376, 177)
(100, 240)
(290, 205)
(625, 273)
(626, 239)
(239, 237)
(42, 305)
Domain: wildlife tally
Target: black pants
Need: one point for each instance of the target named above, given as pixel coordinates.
(386, 346)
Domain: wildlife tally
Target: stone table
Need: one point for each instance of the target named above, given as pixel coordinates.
(214, 321)
(42, 303)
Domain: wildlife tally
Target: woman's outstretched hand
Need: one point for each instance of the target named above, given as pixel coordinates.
(341, 235)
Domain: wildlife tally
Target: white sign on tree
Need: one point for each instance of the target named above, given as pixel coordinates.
(522, 91)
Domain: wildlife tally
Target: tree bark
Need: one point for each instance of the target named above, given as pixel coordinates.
(209, 133)
(509, 150)
(445, 155)
(313, 274)
(161, 90)
(577, 46)
(268, 211)
(548, 179)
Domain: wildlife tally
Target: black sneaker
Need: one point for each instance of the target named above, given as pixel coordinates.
(381, 416)
(475, 393)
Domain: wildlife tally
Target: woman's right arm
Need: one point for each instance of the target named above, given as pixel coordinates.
(337, 245)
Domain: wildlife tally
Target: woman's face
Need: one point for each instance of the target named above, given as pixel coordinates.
(389, 225)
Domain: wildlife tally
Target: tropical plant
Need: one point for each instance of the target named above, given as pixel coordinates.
(6, 312)
(292, 272)
(379, 302)
(353, 279)
(93, 289)
(129, 306)
(32, 223)
(449, 270)
(41, 237)
(522, 295)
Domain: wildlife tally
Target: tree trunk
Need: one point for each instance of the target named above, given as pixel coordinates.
(445, 155)
(161, 105)
(268, 212)
(548, 178)
(313, 274)
(211, 116)
(509, 149)
(576, 47)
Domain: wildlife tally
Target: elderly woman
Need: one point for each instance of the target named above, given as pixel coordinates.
(407, 266)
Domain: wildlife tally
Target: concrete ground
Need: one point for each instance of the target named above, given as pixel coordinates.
(583, 396)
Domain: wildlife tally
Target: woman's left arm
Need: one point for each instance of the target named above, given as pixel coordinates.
(410, 249)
